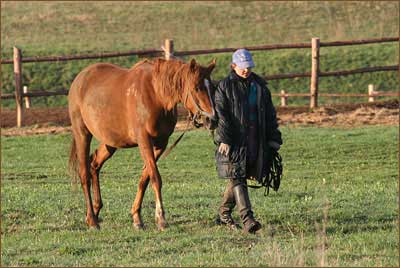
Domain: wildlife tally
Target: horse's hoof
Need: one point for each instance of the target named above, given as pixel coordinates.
(138, 226)
(92, 224)
(162, 226)
(95, 227)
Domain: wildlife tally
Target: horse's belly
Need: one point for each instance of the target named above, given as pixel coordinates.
(115, 139)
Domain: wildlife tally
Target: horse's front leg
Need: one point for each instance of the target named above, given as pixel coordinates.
(150, 155)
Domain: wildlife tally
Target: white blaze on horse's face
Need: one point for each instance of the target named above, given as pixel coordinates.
(210, 93)
(207, 83)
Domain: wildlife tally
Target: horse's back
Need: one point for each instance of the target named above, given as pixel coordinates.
(95, 74)
(100, 76)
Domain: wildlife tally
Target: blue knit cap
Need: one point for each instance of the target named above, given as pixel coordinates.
(242, 58)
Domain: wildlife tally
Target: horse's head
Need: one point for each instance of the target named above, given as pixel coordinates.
(198, 96)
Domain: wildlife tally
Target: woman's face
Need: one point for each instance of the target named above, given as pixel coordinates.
(241, 72)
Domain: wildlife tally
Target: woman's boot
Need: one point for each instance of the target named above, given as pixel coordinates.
(250, 225)
(226, 208)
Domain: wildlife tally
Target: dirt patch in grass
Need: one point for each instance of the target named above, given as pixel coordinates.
(379, 113)
(56, 120)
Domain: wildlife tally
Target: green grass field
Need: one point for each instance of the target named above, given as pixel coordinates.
(343, 179)
(62, 28)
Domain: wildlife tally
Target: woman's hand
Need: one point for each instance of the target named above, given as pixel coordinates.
(224, 149)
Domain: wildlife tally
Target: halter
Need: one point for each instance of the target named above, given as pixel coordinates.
(199, 111)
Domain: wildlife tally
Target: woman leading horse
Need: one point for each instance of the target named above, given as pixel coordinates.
(125, 108)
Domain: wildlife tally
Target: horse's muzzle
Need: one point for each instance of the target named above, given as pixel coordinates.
(209, 123)
(200, 120)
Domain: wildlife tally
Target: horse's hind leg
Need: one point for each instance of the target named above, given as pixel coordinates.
(143, 183)
(100, 155)
(83, 138)
(137, 204)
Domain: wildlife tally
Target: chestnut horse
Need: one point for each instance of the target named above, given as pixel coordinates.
(125, 108)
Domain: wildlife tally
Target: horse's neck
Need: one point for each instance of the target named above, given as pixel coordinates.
(169, 92)
(168, 104)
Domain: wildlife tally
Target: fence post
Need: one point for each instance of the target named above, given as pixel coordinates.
(314, 72)
(18, 85)
(27, 99)
(370, 93)
(283, 98)
(169, 48)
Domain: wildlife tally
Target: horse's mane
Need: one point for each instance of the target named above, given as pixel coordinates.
(171, 79)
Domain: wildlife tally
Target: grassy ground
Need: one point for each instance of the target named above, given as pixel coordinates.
(62, 28)
(340, 189)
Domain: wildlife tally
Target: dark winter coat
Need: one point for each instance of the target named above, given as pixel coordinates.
(231, 106)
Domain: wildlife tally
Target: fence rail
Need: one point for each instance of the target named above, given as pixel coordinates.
(375, 94)
(335, 73)
(168, 51)
(370, 95)
(87, 57)
(202, 51)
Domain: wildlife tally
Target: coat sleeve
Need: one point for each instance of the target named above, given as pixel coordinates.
(272, 121)
(224, 129)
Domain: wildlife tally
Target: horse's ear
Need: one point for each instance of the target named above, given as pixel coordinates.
(211, 67)
(193, 65)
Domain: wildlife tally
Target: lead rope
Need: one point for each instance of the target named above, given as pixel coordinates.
(168, 151)
(273, 179)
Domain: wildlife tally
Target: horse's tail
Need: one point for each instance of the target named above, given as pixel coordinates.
(73, 162)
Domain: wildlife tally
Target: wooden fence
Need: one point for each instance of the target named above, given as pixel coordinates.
(168, 51)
